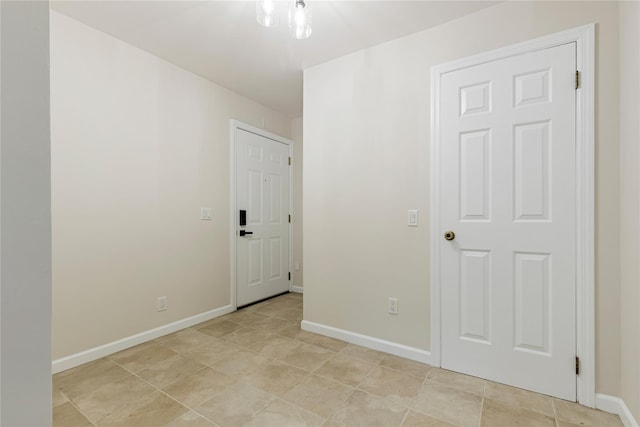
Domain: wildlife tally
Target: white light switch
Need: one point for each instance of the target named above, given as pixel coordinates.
(206, 214)
(412, 220)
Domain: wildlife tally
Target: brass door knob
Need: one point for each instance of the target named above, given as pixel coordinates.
(449, 235)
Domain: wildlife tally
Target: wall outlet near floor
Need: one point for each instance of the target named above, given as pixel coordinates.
(393, 306)
(162, 303)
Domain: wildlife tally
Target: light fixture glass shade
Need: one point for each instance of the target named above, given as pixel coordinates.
(266, 13)
(299, 19)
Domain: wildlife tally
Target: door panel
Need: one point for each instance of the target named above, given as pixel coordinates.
(276, 258)
(531, 165)
(475, 291)
(508, 191)
(262, 189)
(531, 312)
(475, 175)
(254, 197)
(275, 199)
(254, 262)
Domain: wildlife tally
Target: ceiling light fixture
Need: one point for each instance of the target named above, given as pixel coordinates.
(266, 13)
(299, 16)
(299, 19)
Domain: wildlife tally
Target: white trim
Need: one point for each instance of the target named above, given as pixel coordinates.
(297, 289)
(584, 37)
(232, 215)
(615, 405)
(291, 213)
(235, 124)
(585, 226)
(95, 353)
(434, 213)
(370, 342)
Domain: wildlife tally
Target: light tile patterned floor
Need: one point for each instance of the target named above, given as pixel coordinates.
(256, 367)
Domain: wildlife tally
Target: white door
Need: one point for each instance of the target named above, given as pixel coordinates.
(262, 192)
(509, 194)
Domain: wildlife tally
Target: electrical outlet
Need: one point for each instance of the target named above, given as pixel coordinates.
(162, 303)
(393, 306)
(412, 218)
(206, 214)
(297, 266)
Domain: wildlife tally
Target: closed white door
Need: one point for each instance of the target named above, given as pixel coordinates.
(262, 192)
(509, 195)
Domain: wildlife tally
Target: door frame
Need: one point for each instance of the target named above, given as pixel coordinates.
(584, 37)
(234, 126)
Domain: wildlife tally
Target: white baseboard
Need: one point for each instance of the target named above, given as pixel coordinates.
(369, 342)
(297, 289)
(615, 405)
(95, 353)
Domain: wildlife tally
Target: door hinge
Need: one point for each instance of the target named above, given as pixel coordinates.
(289, 161)
(577, 365)
(289, 219)
(577, 79)
(289, 275)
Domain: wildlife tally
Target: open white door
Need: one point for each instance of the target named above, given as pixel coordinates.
(262, 216)
(508, 195)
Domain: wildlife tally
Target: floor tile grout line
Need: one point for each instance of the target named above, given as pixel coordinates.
(243, 378)
(407, 408)
(259, 354)
(205, 417)
(117, 379)
(259, 412)
(189, 409)
(204, 366)
(280, 398)
(193, 408)
(432, 416)
(158, 389)
(395, 402)
(179, 403)
(334, 380)
(62, 393)
(339, 408)
(186, 351)
(80, 411)
(555, 413)
(406, 414)
(277, 358)
(481, 411)
(426, 377)
(405, 371)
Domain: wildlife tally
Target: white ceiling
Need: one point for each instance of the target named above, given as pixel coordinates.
(222, 42)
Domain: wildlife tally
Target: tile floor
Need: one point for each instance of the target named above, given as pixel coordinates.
(256, 367)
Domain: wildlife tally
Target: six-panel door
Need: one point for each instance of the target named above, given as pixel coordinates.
(262, 189)
(509, 194)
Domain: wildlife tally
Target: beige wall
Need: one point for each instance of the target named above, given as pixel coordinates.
(630, 205)
(366, 160)
(296, 136)
(138, 146)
